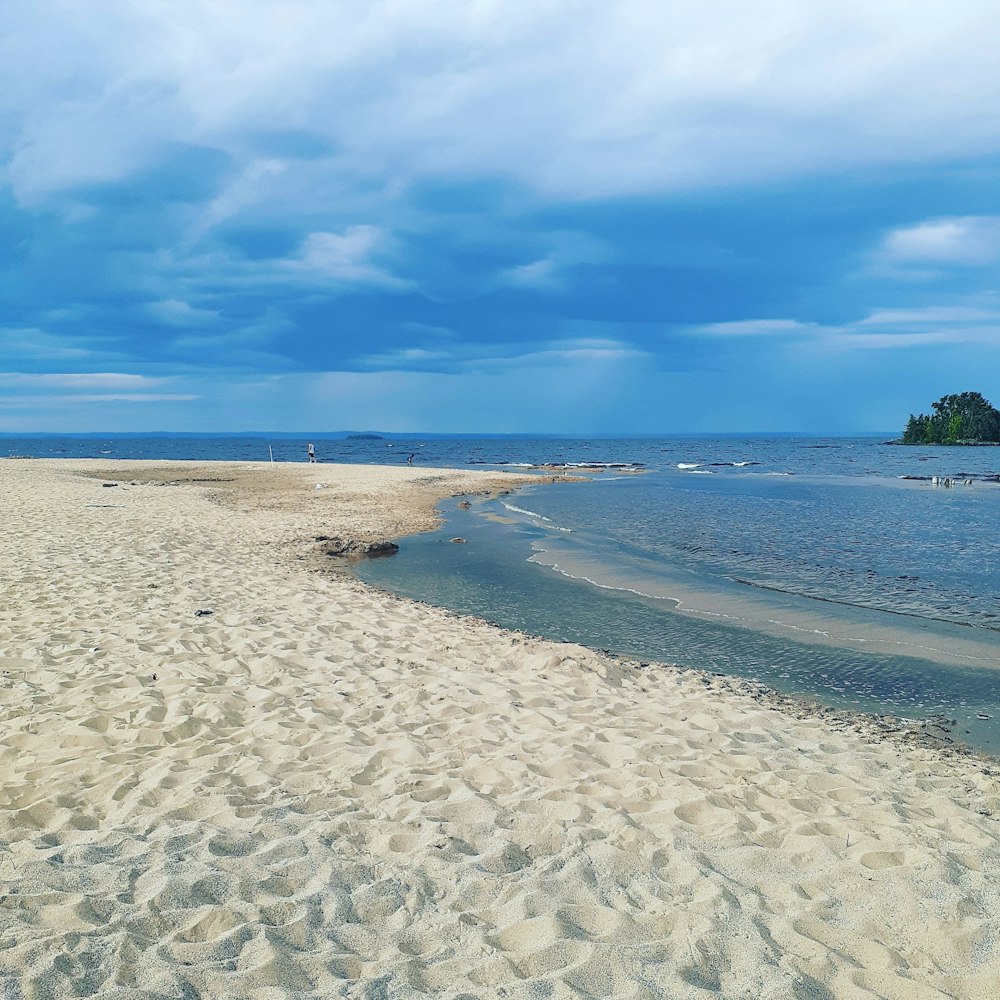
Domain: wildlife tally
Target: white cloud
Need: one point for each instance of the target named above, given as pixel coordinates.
(255, 184)
(883, 329)
(78, 380)
(31, 344)
(565, 353)
(407, 357)
(894, 341)
(59, 404)
(756, 328)
(931, 315)
(565, 250)
(173, 312)
(347, 257)
(573, 97)
(541, 274)
(61, 392)
(964, 240)
(134, 397)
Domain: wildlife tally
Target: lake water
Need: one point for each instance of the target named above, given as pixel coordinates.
(809, 564)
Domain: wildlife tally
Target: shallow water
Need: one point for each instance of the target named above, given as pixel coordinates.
(864, 592)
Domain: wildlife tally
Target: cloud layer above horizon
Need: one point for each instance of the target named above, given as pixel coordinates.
(563, 216)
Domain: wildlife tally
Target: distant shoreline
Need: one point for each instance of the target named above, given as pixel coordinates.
(945, 444)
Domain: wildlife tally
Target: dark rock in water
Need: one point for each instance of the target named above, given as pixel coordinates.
(380, 548)
(350, 548)
(459, 541)
(465, 505)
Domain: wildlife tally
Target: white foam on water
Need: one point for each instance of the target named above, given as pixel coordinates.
(602, 465)
(534, 514)
(603, 586)
(525, 511)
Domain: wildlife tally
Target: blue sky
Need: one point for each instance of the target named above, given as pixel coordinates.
(564, 216)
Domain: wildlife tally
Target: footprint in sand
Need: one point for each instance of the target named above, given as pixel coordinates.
(883, 859)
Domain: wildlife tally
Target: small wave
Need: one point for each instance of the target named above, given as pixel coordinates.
(538, 517)
(603, 465)
(699, 472)
(556, 568)
(522, 510)
(689, 465)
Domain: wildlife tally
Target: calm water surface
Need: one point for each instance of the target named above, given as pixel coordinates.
(817, 570)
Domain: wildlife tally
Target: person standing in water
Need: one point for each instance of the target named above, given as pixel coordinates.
(312, 452)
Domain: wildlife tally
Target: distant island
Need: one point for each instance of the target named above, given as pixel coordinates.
(966, 418)
(365, 437)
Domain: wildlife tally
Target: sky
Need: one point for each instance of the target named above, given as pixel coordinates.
(559, 216)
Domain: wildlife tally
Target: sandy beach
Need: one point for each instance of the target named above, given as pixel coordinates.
(232, 770)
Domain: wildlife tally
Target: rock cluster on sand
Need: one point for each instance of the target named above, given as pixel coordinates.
(354, 549)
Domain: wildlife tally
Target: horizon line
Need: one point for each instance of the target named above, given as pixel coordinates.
(340, 434)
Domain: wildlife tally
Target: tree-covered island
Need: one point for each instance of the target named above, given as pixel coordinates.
(966, 418)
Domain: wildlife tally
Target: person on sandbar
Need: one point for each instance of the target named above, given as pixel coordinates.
(311, 451)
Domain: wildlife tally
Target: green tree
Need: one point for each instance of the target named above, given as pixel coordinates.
(916, 430)
(956, 419)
